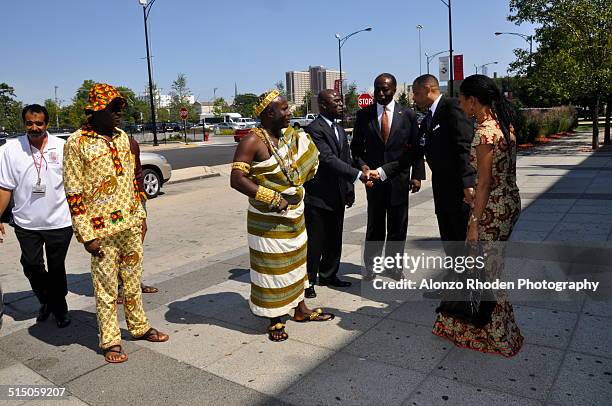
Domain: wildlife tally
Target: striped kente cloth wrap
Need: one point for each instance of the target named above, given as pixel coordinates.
(277, 241)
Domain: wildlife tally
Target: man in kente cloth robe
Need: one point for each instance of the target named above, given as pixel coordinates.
(270, 166)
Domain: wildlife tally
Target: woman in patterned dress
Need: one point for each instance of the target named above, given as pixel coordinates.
(495, 209)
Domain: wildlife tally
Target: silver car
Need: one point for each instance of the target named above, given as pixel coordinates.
(156, 170)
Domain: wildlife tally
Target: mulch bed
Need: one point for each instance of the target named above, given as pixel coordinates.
(543, 140)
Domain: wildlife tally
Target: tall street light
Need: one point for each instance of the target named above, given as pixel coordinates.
(430, 58)
(419, 28)
(146, 9)
(341, 41)
(447, 3)
(528, 38)
(484, 65)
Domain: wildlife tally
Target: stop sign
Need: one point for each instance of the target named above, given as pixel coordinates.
(364, 100)
(184, 113)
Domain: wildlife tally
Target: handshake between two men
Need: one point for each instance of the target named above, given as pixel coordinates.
(370, 176)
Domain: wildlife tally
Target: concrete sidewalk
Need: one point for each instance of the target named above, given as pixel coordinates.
(374, 352)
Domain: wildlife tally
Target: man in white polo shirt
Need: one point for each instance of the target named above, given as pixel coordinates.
(31, 169)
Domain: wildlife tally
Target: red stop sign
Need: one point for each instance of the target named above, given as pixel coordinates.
(364, 100)
(184, 113)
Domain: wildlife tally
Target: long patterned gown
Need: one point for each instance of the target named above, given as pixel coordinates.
(277, 241)
(501, 336)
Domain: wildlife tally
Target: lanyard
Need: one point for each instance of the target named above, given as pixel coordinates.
(38, 165)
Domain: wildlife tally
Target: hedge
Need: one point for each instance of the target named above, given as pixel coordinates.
(534, 123)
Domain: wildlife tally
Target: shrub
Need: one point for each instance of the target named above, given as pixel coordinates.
(534, 123)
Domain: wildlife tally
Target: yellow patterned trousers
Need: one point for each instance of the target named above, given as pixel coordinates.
(122, 258)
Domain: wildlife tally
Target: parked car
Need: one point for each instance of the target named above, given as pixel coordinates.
(299, 122)
(156, 170)
(239, 134)
(227, 126)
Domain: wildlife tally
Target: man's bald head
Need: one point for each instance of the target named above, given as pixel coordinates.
(425, 90)
(330, 104)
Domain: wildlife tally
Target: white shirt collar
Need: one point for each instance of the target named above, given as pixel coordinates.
(434, 105)
(390, 107)
(328, 121)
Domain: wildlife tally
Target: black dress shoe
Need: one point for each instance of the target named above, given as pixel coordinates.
(395, 275)
(433, 294)
(310, 293)
(43, 313)
(63, 320)
(336, 282)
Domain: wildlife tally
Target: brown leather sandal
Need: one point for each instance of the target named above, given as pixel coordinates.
(115, 349)
(148, 289)
(154, 336)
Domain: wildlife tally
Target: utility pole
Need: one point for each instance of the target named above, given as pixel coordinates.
(57, 107)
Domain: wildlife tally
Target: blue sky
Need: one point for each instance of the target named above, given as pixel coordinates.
(253, 43)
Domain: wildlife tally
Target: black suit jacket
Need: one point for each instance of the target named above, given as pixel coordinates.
(332, 187)
(447, 148)
(397, 157)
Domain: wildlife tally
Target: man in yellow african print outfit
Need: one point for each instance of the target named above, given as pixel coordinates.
(108, 217)
(270, 167)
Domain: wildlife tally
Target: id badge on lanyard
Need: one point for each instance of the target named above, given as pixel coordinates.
(39, 188)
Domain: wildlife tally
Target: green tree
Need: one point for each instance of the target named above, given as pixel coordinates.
(220, 106)
(350, 99)
(280, 86)
(306, 106)
(10, 109)
(244, 103)
(180, 97)
(76, 112)
(57, 113)
(403, 99)
(573, 61)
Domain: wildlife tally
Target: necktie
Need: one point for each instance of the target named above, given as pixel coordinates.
(335, 130)
(385, 129)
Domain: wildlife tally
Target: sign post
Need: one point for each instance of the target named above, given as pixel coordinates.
(364, 100)
(184, 113)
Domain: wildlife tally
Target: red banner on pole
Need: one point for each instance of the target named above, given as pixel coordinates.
(458, 67)
(337, 85)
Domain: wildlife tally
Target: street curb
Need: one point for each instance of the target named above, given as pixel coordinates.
(208, 175)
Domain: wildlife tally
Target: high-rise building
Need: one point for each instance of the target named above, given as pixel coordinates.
(297, 85)
(315, 79)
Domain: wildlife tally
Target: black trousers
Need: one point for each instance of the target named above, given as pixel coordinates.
(385, 222)
(324, 228)
(50, 285)
(453, 230)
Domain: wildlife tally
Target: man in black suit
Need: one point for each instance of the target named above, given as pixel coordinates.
(328, 193)
(446, 137)
(385, 133)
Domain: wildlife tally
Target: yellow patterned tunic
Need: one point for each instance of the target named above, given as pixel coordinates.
(100, 185)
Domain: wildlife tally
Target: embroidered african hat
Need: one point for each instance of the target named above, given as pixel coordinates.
(265, 100)
(101, 95)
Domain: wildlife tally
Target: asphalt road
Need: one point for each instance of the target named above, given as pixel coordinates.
(198, 156)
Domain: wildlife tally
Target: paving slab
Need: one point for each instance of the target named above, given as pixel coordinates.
(530, 373)
(268, 367)
(346, 379)
(405, 345)
(183, 384)
(544, 326)
(583, 380)
(437, 391)
(593, 336)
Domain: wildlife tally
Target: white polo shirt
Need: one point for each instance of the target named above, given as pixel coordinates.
(18, 173)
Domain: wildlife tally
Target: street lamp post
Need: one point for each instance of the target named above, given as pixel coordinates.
(146, 8)
(430, 58)
(528, 38)
(447, 3)
(341, 41)
(484, 65)
(419, 28)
